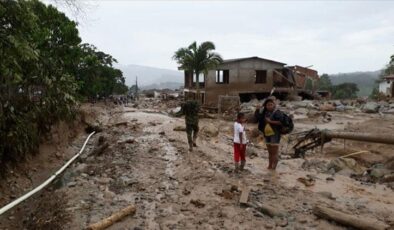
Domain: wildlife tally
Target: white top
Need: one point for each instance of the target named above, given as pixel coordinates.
(239, 128)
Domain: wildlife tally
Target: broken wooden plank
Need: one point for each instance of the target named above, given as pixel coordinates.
(123, 123)
(355, 153)
(244, 195)
(105, 223)
(349, 220)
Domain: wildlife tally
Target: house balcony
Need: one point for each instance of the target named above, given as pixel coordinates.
(193, 85)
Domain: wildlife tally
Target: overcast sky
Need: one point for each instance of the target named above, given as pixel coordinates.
(332, 36)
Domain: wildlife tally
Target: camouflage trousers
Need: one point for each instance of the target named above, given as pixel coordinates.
(192, 132)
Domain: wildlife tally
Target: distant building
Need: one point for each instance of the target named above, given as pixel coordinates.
(248, 78)
(386, 86)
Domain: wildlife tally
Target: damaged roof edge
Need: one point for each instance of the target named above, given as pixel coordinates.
(248, 58)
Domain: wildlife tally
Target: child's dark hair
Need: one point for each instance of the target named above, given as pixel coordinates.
(268, 100)
(240, 115)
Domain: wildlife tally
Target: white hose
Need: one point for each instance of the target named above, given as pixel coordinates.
(43, 185)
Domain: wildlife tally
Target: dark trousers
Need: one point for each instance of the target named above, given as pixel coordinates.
(192, 131)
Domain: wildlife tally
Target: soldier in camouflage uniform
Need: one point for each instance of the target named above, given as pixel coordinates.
(190, 110)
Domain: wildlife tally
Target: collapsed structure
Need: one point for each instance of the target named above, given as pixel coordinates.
(386, 86)
(251, 77)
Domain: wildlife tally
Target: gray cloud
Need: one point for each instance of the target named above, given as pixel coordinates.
(332, 36)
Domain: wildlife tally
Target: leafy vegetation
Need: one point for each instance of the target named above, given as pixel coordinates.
(345, 91)
(341, 91)
(197, 59)
(44, 69)
(390, 67)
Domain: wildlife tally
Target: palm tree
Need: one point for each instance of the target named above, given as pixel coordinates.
(197, 59)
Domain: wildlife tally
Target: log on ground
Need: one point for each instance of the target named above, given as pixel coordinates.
(349, 220)
(105, 223)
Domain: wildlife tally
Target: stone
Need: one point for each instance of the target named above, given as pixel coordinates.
(210, 130)
(339, 164)
(104, 180)
(389, 111)
(269, 226)
(388, 178)
(72, 184)
(370, 107)
(126, 180)
(327, 195)
(379, 172)
(301, 111)
(108, 194)
(198, 203)
(327, 107)
(81, 168)
(281, 222)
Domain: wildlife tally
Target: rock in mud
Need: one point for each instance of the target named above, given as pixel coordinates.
(370, 107)
(210, 130)
(81, 168)
(388, 178)
(379, 172)
(339, 164)
(307, 181)
(327, 107)
(197, 203)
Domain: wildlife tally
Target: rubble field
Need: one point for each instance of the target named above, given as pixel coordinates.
(140, 158)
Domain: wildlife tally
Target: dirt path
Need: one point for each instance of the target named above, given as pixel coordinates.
(147, 164)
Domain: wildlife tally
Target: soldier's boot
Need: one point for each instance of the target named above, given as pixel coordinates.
(236, 169)
(242, 165)
(194, 140)
(191, 146)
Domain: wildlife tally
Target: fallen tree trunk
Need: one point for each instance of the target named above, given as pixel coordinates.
(349, 220)
(105, 223)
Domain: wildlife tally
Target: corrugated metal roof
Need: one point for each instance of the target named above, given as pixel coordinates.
(248, 58)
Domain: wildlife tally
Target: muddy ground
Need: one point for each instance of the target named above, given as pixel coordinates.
(147, 164)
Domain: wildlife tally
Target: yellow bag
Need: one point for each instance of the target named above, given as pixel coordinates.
(268, 131)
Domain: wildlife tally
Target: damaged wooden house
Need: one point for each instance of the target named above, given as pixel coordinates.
(249, 78)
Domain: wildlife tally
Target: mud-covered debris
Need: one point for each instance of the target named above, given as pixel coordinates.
(330, 179)
(370, 107)
(307, 181)
(234, 188)
(186, 192)
(123, 123)
(379, 172)
(327, 107)
(198, 203)
(101, 140)
(327, 195)
(210, 130)
(388, 178)
(180, 128)
(315, 164)
(94, 128)
(340, 164)
(281, 222)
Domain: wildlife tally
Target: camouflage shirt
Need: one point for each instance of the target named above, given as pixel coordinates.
(190, 109)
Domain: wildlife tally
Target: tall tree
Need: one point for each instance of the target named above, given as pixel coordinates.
(390, 67)
(345, 90)
(197, 59)
(325, 82)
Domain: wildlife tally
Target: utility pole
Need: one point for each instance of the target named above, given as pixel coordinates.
(136, 88)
